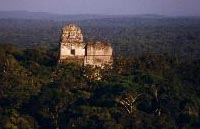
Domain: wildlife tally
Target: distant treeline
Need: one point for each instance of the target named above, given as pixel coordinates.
(129, 36)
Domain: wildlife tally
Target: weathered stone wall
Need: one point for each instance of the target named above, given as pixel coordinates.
(66, 50)
(98, 53)
(72, 34)
(99, 48)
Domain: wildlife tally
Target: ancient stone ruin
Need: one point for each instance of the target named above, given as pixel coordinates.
(74, 49)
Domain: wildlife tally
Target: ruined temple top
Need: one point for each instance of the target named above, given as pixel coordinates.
(72, 34)
(74, 49)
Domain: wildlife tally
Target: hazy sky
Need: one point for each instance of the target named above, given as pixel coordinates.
(166, 7)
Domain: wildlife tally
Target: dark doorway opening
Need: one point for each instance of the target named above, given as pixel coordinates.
(73, 51)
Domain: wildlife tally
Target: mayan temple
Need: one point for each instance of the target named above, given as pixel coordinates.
(73, 48)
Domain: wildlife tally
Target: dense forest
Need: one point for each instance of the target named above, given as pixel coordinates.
(177, 36)
(154, 82)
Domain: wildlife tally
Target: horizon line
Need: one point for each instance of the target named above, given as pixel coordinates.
(100, 14)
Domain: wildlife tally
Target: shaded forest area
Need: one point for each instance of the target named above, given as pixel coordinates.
(154, 82)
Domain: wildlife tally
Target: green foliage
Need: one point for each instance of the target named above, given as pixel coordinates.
(17, 121)
(141, 90)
